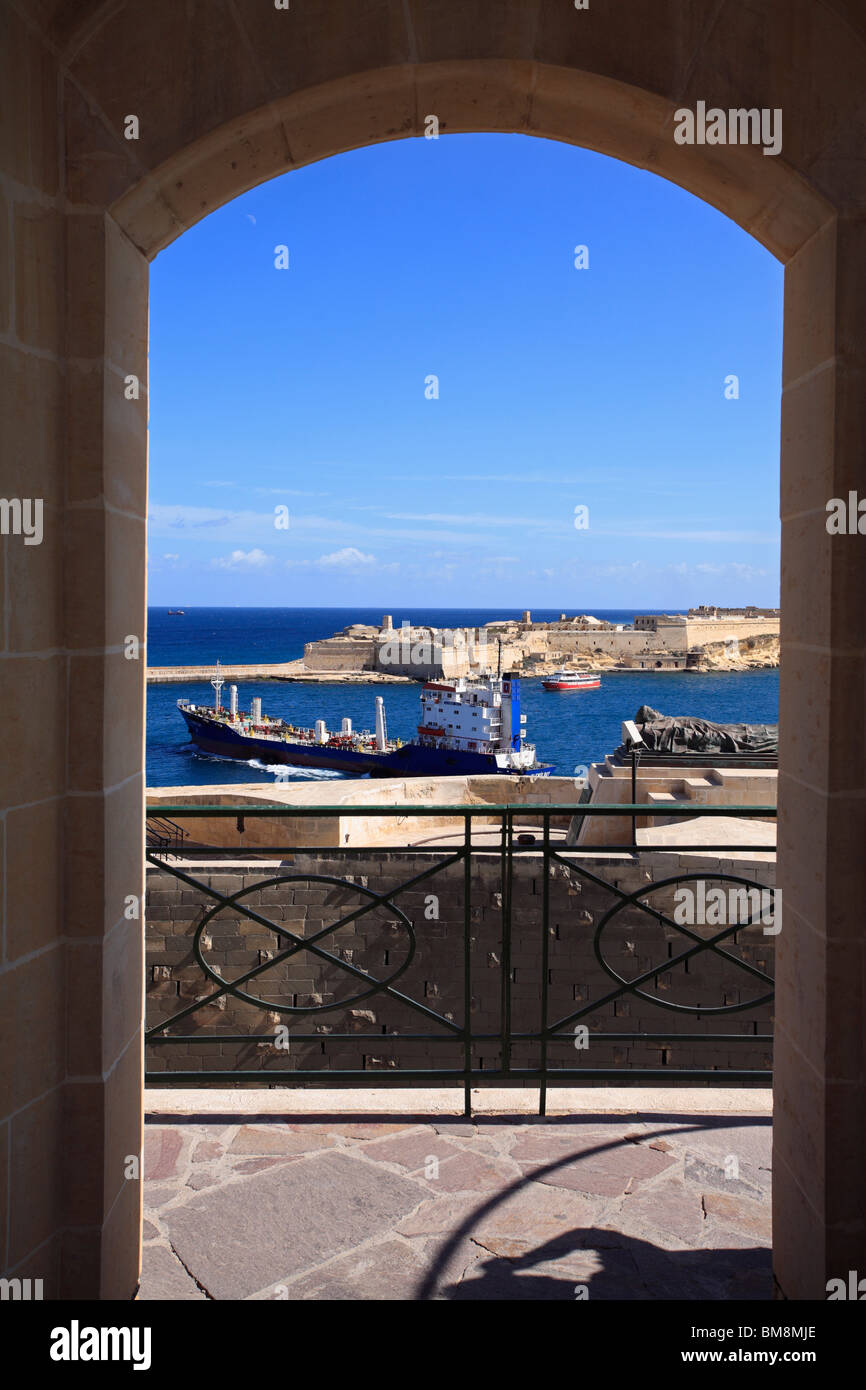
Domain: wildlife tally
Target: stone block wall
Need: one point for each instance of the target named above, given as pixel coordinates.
(422, 952)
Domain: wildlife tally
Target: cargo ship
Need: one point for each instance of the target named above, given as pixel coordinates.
(572, 680)
(468, 726)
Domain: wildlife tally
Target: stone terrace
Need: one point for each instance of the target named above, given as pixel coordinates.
(654, 1205)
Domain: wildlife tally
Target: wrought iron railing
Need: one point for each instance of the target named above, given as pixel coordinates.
(578, 863)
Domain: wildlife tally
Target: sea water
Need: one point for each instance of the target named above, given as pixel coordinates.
(569, 728)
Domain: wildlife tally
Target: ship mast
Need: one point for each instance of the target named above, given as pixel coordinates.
(217, 684)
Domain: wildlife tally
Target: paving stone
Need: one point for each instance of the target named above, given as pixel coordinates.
(285, 1221)
(288, 1202)
(390, 1271)
(258, 1165)
(608, 1174)
(202, 1179)
(754, 1284)
(534, 1216)
(544, 1276)
(697, 1172)
(549, 1145)
(467, 1172)
(411, 1151)
(437, 1215)
(750, 1218)
(490, 1147)
(163, 1277)
(205, 1149)
(668, 1275)
(665, 1213)
(447, 1260)
(162, 1149)
(278, 1139)
(365, 1131)
(750, 1141)
(148, 1231)
(156, 1197)
(718, 1235)
(703, 1274)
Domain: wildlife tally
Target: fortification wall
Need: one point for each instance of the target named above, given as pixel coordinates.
(426, 656)
(343, 654)
(701, 632)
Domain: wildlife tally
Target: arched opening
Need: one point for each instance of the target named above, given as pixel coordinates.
(216, 169)
(241, 100)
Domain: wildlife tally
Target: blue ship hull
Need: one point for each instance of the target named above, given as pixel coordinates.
(410, 760)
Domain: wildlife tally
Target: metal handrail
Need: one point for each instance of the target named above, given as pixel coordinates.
(575, 857)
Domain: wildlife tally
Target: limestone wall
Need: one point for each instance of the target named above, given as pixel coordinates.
(427, 653)
(699, 633)
(340, 654)
(333, 829)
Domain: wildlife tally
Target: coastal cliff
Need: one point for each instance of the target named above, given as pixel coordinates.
(752, 653)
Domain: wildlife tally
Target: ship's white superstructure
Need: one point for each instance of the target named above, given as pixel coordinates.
(476, 716)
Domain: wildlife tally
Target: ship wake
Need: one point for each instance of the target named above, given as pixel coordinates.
(281, 773)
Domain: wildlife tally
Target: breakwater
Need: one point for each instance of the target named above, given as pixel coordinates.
(266, 671)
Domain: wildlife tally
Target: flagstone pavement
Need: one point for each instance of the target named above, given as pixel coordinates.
(650, 1206)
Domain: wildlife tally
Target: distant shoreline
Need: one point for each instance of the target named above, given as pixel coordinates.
(184, 675)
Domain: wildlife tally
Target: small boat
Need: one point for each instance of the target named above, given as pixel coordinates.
(176, 613)
(572, 680)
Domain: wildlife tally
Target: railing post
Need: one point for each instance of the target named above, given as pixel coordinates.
(467, 966)
(507, 881)
(545, 962)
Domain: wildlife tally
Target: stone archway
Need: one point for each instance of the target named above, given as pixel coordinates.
(226, 96)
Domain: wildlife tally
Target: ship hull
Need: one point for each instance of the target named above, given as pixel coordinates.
(411, 760)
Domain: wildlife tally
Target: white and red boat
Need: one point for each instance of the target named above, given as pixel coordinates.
(572, 680)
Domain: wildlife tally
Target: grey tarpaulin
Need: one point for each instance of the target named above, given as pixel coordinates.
(686, 733)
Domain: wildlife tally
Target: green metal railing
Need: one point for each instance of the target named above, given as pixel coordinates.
(508, 849)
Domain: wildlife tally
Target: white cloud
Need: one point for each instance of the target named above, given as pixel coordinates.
(347, 558)
(242, 560)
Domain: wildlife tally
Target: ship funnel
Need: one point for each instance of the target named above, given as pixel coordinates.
(347, 726)
(233, 701)
(321, 731)
(256, 710)
(381, 729)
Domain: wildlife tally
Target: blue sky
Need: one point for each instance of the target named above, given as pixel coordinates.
(559, 388)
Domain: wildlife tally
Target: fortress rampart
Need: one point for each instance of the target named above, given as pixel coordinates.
(531, 648)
